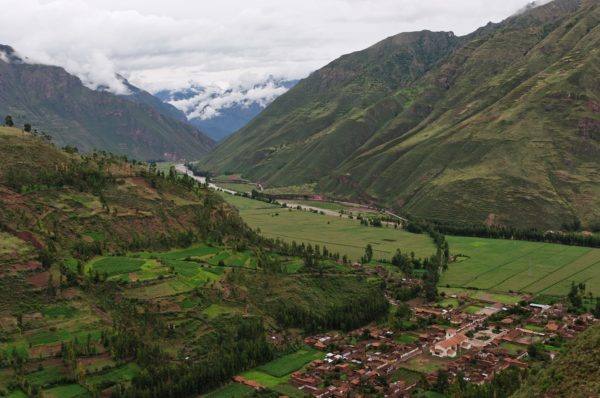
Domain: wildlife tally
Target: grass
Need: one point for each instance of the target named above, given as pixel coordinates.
(513, 348)
(215, 310)
(501, 266)
(264, 379)
(473, 309)
(338, 234)
(17, 394)
(194, 251)
(232, 390)
(406, 375)
(68, 391)
(449, 302)
(291, 362)
(59, 311)
(535, 328)
(425, 364)
(406, 338)
(49, 375)
(124, 373)
(115, 265)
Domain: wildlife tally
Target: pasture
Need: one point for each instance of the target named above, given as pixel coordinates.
(338, 234)
(290, 363)
(503, 266)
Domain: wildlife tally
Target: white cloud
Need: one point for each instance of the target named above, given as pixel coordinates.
(207, 102)
(161, 44)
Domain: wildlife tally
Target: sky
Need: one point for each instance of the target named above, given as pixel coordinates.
(170, 44)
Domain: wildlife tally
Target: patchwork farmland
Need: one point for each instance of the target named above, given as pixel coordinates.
(495, 266)
(530, 267)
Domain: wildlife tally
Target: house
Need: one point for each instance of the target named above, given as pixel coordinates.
(449, 347)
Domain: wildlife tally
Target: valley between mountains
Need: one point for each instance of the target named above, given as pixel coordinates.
(420, 218)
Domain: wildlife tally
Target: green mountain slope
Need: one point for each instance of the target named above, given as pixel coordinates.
(502, 125)
(58, 103)
(575, 373)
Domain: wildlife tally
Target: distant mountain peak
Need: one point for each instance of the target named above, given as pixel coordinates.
(9, 55)
(220, 111)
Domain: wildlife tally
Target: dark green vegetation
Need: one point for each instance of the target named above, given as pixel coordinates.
(500, 126)
(117, 279)
(55, 102)
(575, 373)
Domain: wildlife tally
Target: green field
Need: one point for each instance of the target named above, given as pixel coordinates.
(232, 390)
(338, 234)
(123, 373)
(68, 391)
(495, 267)
(291, 362)
(529, 267)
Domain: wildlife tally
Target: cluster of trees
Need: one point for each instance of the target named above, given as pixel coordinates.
(504, 384)
(78, 175)
(239, 345)
(351, 314)
(312, 255)
(577, 297)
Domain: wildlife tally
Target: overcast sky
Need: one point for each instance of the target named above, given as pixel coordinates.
(166, 44)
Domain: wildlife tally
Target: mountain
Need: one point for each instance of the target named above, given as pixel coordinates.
(220, 112)
(500, 126)
(58, 103)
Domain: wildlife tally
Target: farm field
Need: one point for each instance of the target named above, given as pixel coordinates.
(491, 269)
(338, 234)
(290, 363)
(501, 266)
(274, 374)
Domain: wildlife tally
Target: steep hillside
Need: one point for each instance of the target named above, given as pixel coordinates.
(58, 103)
(500, 126)
(111, 271)
(63, 201)
(575, 373)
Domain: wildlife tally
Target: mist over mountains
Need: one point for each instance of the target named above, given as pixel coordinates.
(220, 111)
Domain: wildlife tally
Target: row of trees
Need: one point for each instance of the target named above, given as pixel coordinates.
(569, 237)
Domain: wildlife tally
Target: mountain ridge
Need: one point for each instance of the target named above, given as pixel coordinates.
(51, 99)
(446, 141)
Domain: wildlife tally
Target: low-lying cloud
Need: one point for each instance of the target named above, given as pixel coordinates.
(160, 45)
(207, 102)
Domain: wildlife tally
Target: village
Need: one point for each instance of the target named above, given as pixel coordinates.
(467, 336)
(476, 347)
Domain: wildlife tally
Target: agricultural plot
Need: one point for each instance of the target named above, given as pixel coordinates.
(67, 391)
(124, 373)
(503, 266)
(232, 390)
(290, 363)
(338, 234)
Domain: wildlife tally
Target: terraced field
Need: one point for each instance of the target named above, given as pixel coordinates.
(529, 267)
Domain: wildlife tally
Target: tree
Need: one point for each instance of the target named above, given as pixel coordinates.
(27, 127)
(8, 121)
(441, 383)
(368, 253)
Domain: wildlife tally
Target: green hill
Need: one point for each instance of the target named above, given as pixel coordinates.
(111, 271)
(57, 103)
(575, 373)
(499, 126)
